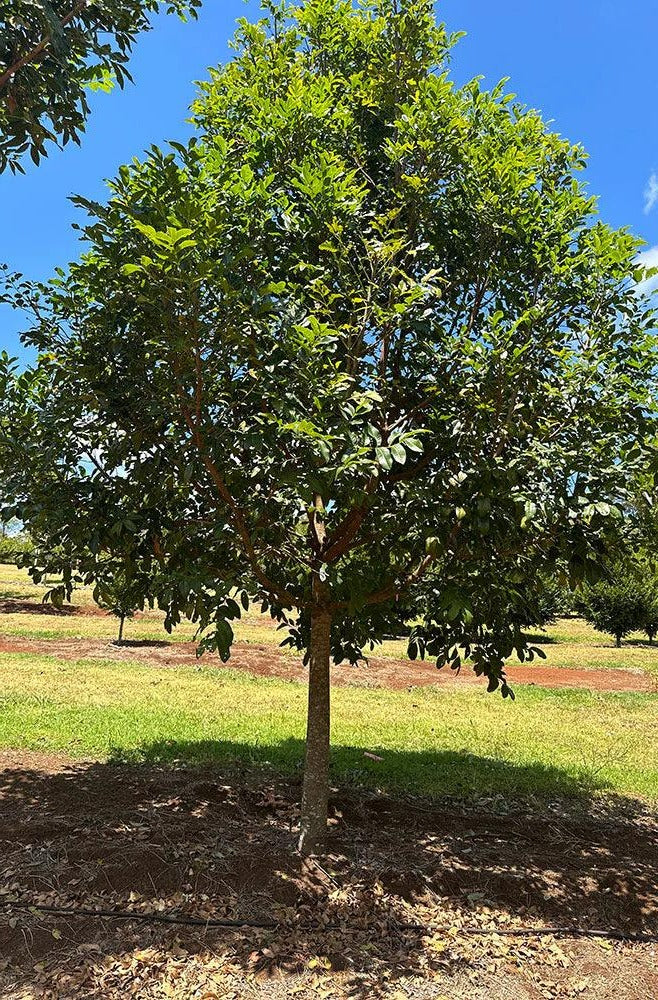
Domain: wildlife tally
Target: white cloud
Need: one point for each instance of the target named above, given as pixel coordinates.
(649, 258)
(651, 193)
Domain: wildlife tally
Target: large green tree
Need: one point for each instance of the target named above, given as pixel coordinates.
(361, 350)
(51, 53)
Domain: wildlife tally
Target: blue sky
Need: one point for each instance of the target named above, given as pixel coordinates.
(589, 65)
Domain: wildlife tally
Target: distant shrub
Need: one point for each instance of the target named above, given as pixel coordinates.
(617, 606)
(14, 546)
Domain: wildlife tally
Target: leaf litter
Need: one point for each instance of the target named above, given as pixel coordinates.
(358, 923)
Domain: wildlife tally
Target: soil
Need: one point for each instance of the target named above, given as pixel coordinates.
(267, 661)
(220, 843)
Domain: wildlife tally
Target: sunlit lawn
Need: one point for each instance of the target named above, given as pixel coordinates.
(568, 643)
(432, 741)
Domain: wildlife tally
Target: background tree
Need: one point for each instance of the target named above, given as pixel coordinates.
(617, 605)
(360, 350)
(120, 592)
(14, 541)
(51, 53)
(650, 615)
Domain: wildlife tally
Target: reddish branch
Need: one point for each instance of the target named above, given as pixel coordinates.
(340, 540)
(393, 590)
(38, 49)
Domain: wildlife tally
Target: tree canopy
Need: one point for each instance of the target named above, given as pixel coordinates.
(361, 350)
(51, 53)
(620, 604)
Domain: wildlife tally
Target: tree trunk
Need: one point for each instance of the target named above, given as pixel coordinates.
(315, 794)
(122, 619)
(618, 638)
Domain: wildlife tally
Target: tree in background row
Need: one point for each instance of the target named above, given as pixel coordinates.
(51, 53)
(14, 541)
(360, 350)
(121, 593)
(625, 602)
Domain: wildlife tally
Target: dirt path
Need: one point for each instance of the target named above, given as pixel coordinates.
(268, 661)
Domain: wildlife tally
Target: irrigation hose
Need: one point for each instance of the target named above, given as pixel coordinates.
(183, 919)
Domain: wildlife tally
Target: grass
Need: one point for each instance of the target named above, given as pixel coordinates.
(568, 643)
(432, 741)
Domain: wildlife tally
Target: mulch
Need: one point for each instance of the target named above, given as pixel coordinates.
(220, 843)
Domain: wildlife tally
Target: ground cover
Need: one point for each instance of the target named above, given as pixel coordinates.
(415, 901)
(136, 778)
(569, 644)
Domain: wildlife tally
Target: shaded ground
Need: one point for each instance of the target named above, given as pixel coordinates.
(216, 844)
(264, 660)
(13, 606)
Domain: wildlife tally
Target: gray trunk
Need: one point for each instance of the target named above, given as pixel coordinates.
(315, 794)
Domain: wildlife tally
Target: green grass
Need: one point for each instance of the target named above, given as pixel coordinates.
(48, 626)
(570, 642)
(433, 741)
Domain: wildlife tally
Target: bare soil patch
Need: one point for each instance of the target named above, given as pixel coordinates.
(265, 661)
(221, 844)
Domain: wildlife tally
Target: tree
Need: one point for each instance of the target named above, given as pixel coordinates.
(120, 593)
(51, 53)
(650, 615)
(360, 349)
(14, 542)
(617, 605)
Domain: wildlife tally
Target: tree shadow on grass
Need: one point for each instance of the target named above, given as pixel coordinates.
(433, 773)
(11, 605)
(217, 839)
(539, 638)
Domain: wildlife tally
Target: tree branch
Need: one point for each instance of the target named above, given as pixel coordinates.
(237, 514)
(316, 524)
(393, 591)
(38, 49)
(339, 542)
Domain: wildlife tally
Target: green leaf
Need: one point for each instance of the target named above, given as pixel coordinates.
(384, 457)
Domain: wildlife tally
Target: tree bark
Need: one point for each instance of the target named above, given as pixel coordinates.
(122, 619)
(618, 638)
(315, 794)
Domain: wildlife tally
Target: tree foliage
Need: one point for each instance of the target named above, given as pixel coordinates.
(364, 304)
(14, 542)
(617, 605)
(120, 592)
(51, 53)
(361, 347)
